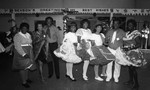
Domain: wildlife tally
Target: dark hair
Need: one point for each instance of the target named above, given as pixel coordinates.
(11, 35)
(12, 28)
(146, 23)
(50, 19)
(24, 25)
(116, 20)
(36, 25)
(83, 21)
(72, 24)
(59, 28)
(96, 27)
(132, 21)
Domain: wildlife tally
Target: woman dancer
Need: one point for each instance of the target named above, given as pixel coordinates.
(67, 50)
(84, 34)
(133, 43)
(99, 39)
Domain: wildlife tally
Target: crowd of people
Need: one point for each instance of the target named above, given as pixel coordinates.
(31, 50)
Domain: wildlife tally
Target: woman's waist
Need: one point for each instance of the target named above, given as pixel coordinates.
(26, 44)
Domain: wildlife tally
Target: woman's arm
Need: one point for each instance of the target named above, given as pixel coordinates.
(17, 44)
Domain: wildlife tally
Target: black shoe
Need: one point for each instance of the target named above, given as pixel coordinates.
(26, 85)
(50, 76)
(67, 76)
(29, 81)
(57, 77)
(70, 78)
(128, 83)
(135, 86)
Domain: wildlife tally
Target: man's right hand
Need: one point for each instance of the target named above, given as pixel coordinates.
(26, 56)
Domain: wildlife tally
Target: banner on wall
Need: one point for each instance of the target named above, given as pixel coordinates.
(4, 11)
(76, 11)
(38, 10)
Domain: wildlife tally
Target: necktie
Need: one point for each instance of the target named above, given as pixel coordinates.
(113, 37)
(48, 32)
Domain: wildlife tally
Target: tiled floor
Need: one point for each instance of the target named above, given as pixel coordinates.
(11, 80)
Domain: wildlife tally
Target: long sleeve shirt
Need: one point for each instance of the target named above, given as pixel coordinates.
(118, 40)
(54, 34)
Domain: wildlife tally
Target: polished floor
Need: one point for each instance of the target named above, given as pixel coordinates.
(11, 80)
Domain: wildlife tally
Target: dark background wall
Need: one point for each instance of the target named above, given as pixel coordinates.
(4, 25)
(67, 3)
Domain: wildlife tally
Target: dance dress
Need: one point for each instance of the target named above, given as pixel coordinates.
(67, 50)
(39, 46)
(101, 53)
(130, 55)
(84, 44)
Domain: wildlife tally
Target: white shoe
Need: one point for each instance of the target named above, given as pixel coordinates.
(85, 78)
(107, 79)
(98, 78)
(116, 80)
(103, 75)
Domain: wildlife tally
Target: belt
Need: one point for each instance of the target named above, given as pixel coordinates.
(26, 45)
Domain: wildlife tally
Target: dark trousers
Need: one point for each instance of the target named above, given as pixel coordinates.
(55, 62)
(133, 75)
(143, 41)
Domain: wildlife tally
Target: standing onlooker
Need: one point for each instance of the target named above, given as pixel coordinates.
(52, 36)
(9, 37)
(61, 34)
(39, 48)
(23, 56)
(114, 39)
(2, 49)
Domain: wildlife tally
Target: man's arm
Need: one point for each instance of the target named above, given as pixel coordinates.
(58, 36)
(138, 42)
(107, 38)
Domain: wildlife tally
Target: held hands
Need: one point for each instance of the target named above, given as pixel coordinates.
(128, 36)
(92, 42)
(26, 56)
(131, 35)
(75, 44)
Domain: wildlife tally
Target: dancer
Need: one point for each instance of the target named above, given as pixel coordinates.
(67, 50)
(132, 44)
(99, 39)
(114, 39)
(84, 34)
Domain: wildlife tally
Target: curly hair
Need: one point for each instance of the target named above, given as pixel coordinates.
(96, 27)
(132, 21)
(24, 25)
(72, 24)
(83, 21)
(46, 19)
(146, 23)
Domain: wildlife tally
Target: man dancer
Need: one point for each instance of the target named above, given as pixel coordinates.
(114, 39)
